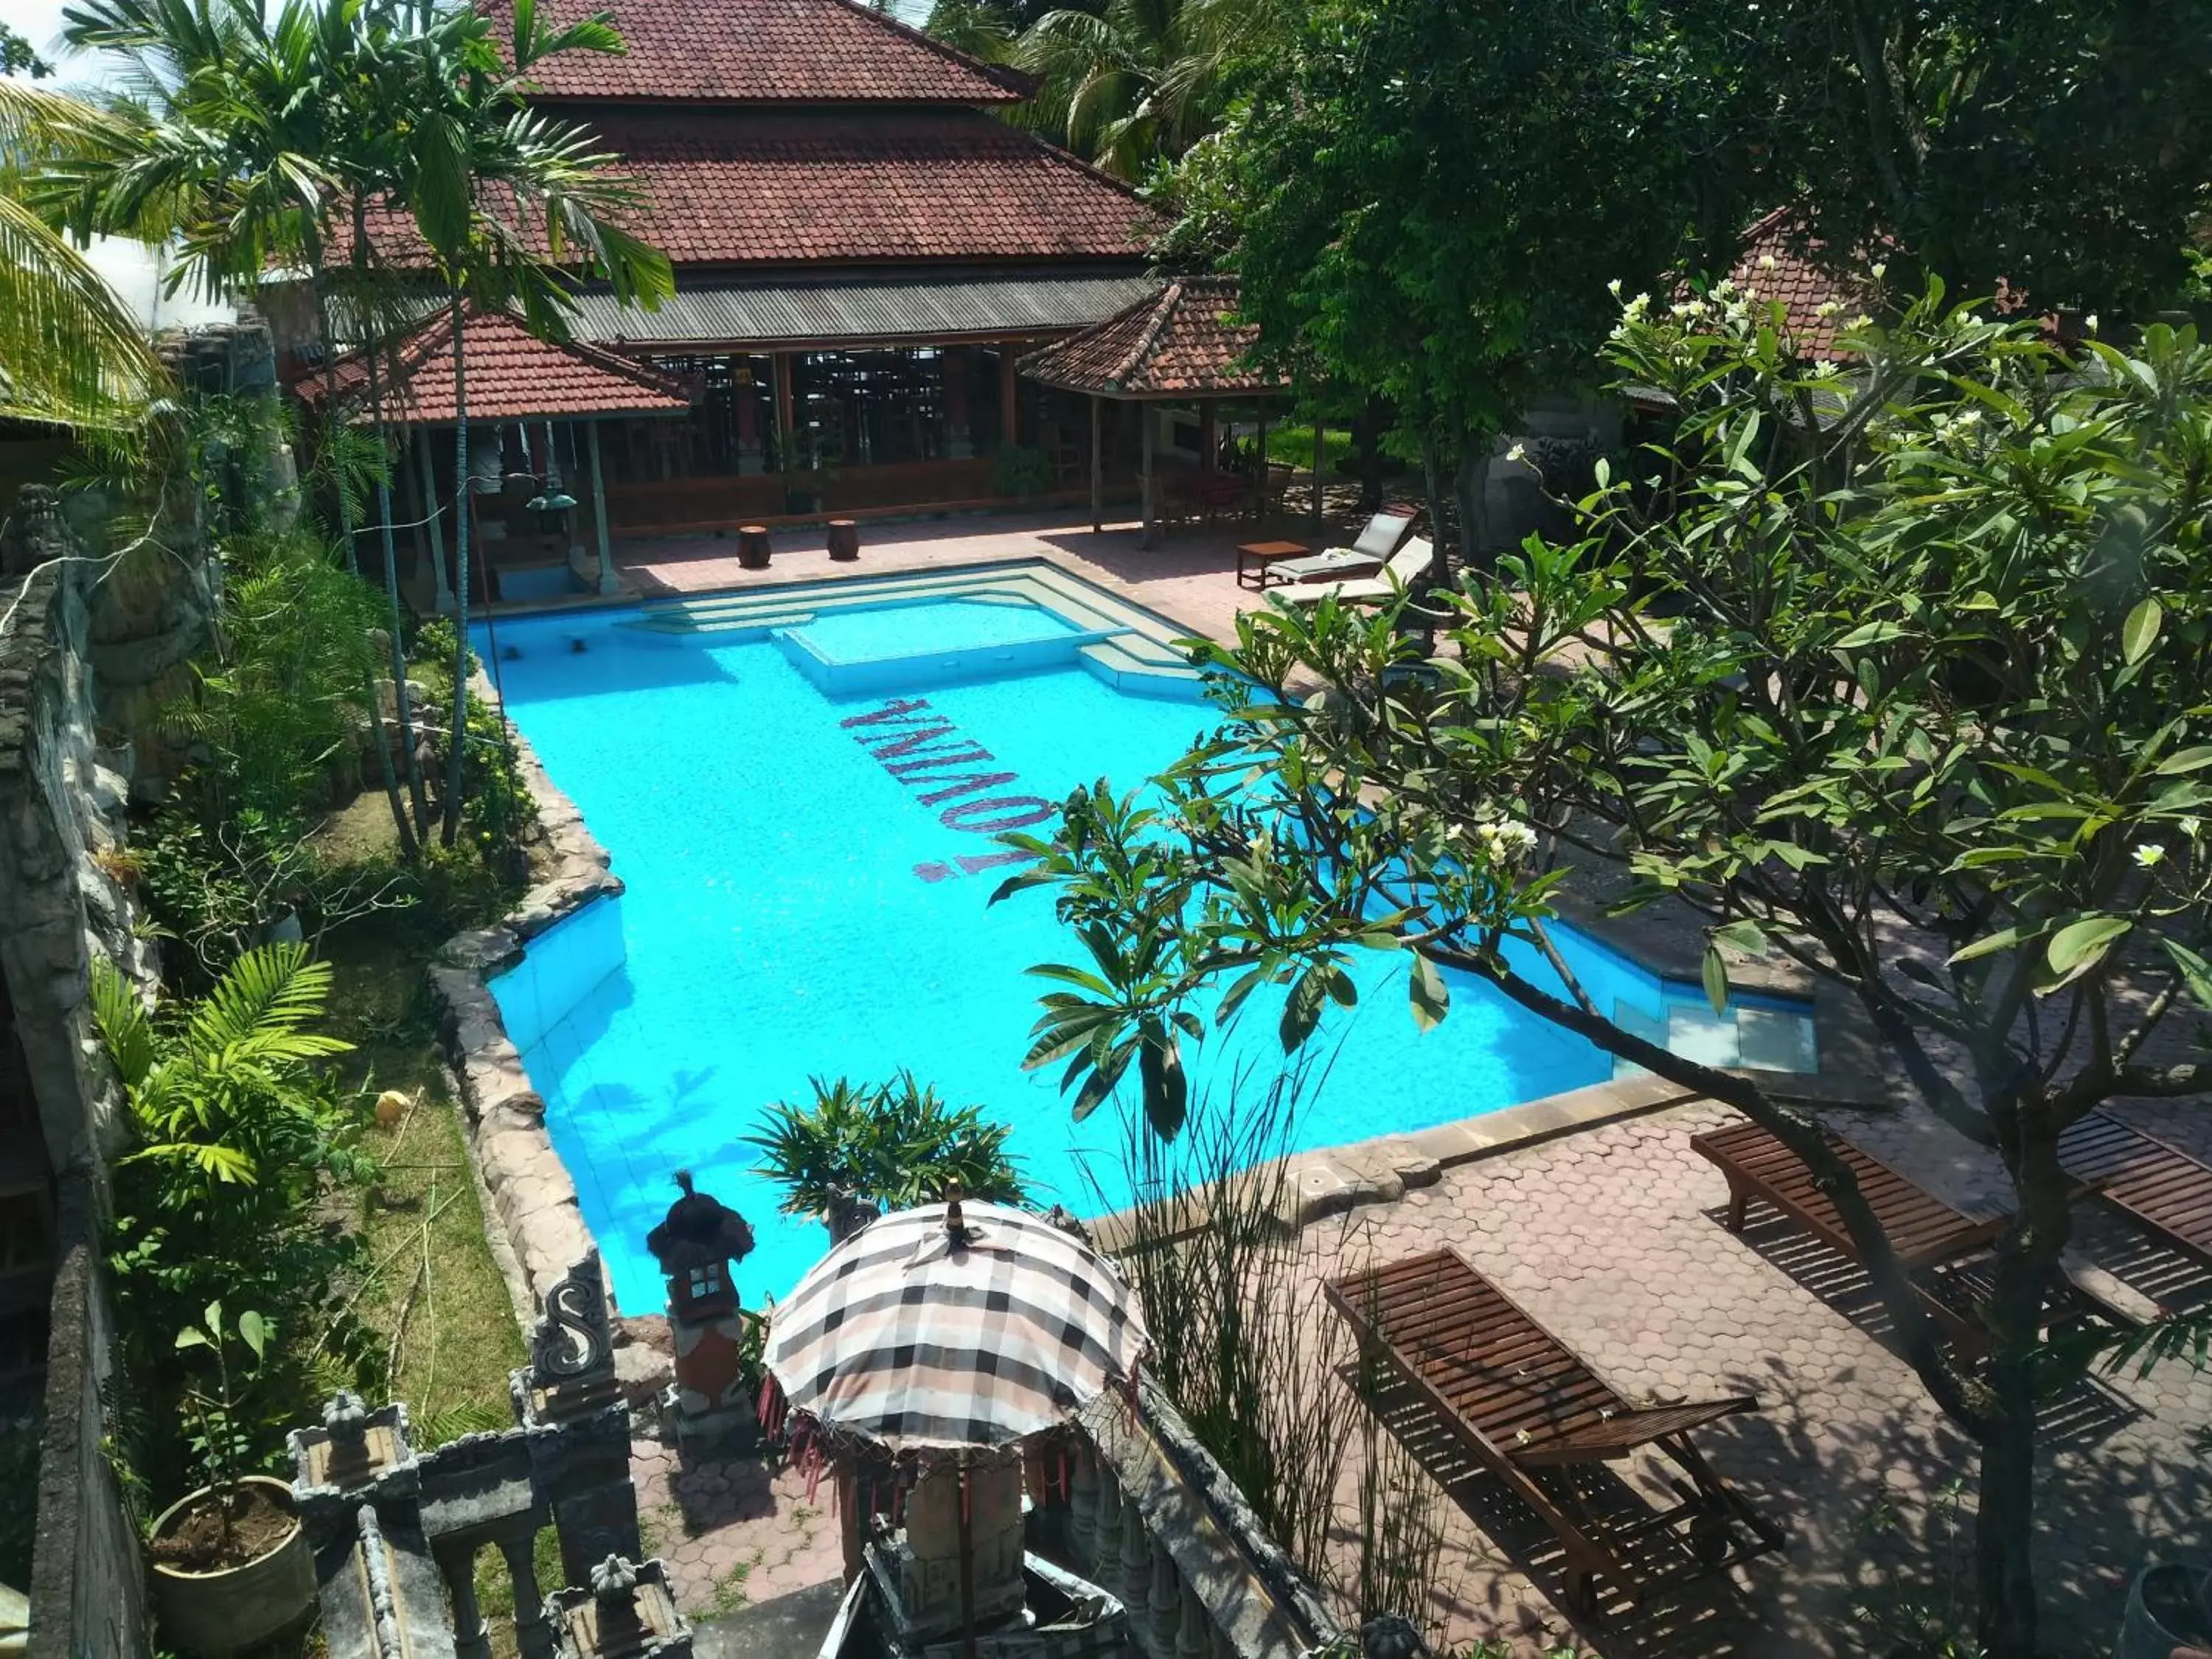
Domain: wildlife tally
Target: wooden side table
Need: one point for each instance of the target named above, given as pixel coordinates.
(752, 546)
(844, 540)
(1253, 559)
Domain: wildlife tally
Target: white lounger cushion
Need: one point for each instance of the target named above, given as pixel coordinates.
(1406, 566)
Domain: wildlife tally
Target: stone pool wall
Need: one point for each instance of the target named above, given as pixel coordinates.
(533, 1197)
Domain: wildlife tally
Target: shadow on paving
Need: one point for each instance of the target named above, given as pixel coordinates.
(2083, 1417)
(789, 1628)
(2117, 1488)
(1702, 1620)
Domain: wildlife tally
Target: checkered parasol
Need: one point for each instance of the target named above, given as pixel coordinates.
(916, 1334)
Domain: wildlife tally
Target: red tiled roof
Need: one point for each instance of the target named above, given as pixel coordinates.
(782, 189)
(513, 376)
(775, 51)
(1780, 263)
(1180, 340)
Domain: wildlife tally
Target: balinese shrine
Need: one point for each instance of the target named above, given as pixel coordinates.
(863, 249)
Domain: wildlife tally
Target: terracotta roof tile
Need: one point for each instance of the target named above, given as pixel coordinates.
(1779, 261)
(779, 51)
(780, 190)
(1180, 340)
(513, 376)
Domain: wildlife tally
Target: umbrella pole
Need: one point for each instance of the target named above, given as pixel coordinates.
(967, 1567)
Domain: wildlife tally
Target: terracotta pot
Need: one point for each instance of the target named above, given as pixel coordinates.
(234, 1607)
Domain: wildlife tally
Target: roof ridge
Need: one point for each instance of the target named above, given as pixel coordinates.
(1012, 80)
(1169, 300)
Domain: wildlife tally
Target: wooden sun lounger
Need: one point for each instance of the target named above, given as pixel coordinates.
(1528, 1409)
(1922, 1229)
(1932, 1238)
(2164, 1189)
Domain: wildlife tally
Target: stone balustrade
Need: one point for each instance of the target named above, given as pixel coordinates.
(1152, 1518)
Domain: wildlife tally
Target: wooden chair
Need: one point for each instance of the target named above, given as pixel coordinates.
(1530, 1412)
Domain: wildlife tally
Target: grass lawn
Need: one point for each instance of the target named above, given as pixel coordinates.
(434, 1293)
(1294, 445)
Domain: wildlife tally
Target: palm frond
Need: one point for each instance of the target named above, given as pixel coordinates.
(271, 989)
(127, 1030)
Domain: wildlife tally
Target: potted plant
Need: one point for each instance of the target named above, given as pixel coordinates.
(232, 1566)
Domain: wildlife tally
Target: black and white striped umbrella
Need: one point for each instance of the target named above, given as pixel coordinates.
(972, 1328)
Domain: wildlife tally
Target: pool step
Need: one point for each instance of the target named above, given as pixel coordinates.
(1141, 657)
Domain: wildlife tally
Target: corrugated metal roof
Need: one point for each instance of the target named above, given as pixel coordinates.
(763, 313)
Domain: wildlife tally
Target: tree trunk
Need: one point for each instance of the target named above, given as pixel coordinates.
(1367, 433)
(1433, 482)
(2004, 1531)
(457, 742)
(408, 848)
(395, 619)
(1471, 486)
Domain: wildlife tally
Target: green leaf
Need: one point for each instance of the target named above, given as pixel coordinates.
(2196, 972)
(1873, 633)
(2003, 939)
(190, 1338)
(255, 1330)
(2080, 945)
(1301, 1011)
(1428, 994)
(2140, 632)
(2185, 760)
(1717, 979)
(1746, 935)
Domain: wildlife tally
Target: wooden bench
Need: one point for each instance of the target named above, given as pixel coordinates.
(1529, 1410)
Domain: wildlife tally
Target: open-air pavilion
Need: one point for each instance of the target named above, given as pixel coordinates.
(533, 403)
(1179, 348)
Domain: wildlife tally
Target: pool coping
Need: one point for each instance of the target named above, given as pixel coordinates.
(534, 1195)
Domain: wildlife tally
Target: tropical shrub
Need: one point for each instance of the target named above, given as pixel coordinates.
(895, 1144)
(279, 714)
(1019, 470)
(236, 1134)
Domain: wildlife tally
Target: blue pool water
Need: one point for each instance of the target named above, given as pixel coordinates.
(890, 631)
(798, 906)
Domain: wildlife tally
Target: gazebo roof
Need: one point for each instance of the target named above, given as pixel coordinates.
(1178, 343)
(513, 375)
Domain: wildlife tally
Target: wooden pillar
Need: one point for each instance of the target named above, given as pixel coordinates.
(434, 513)
(1098, 468)
(787, 432)
(1145, 480)
(609, 582)
(1209, 446)
(1259, 473)
(1321, 446)
(1009, 406)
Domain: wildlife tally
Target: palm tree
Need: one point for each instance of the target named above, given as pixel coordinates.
(512, 207)
(70, 352)
(1140, 81)
(249, 131)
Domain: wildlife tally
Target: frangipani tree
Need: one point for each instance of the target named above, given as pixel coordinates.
(1899, 672)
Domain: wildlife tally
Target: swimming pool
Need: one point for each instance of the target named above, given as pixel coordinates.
(807, 876)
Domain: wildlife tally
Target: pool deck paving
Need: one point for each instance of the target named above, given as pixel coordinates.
(1605, 1226)
(1612, 1237)
(1190, 578)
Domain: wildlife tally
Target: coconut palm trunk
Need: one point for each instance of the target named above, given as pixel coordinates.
(400, 701)
(410, 848)
(457, 744)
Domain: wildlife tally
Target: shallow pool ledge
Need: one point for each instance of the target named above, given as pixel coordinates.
(539, 1232)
